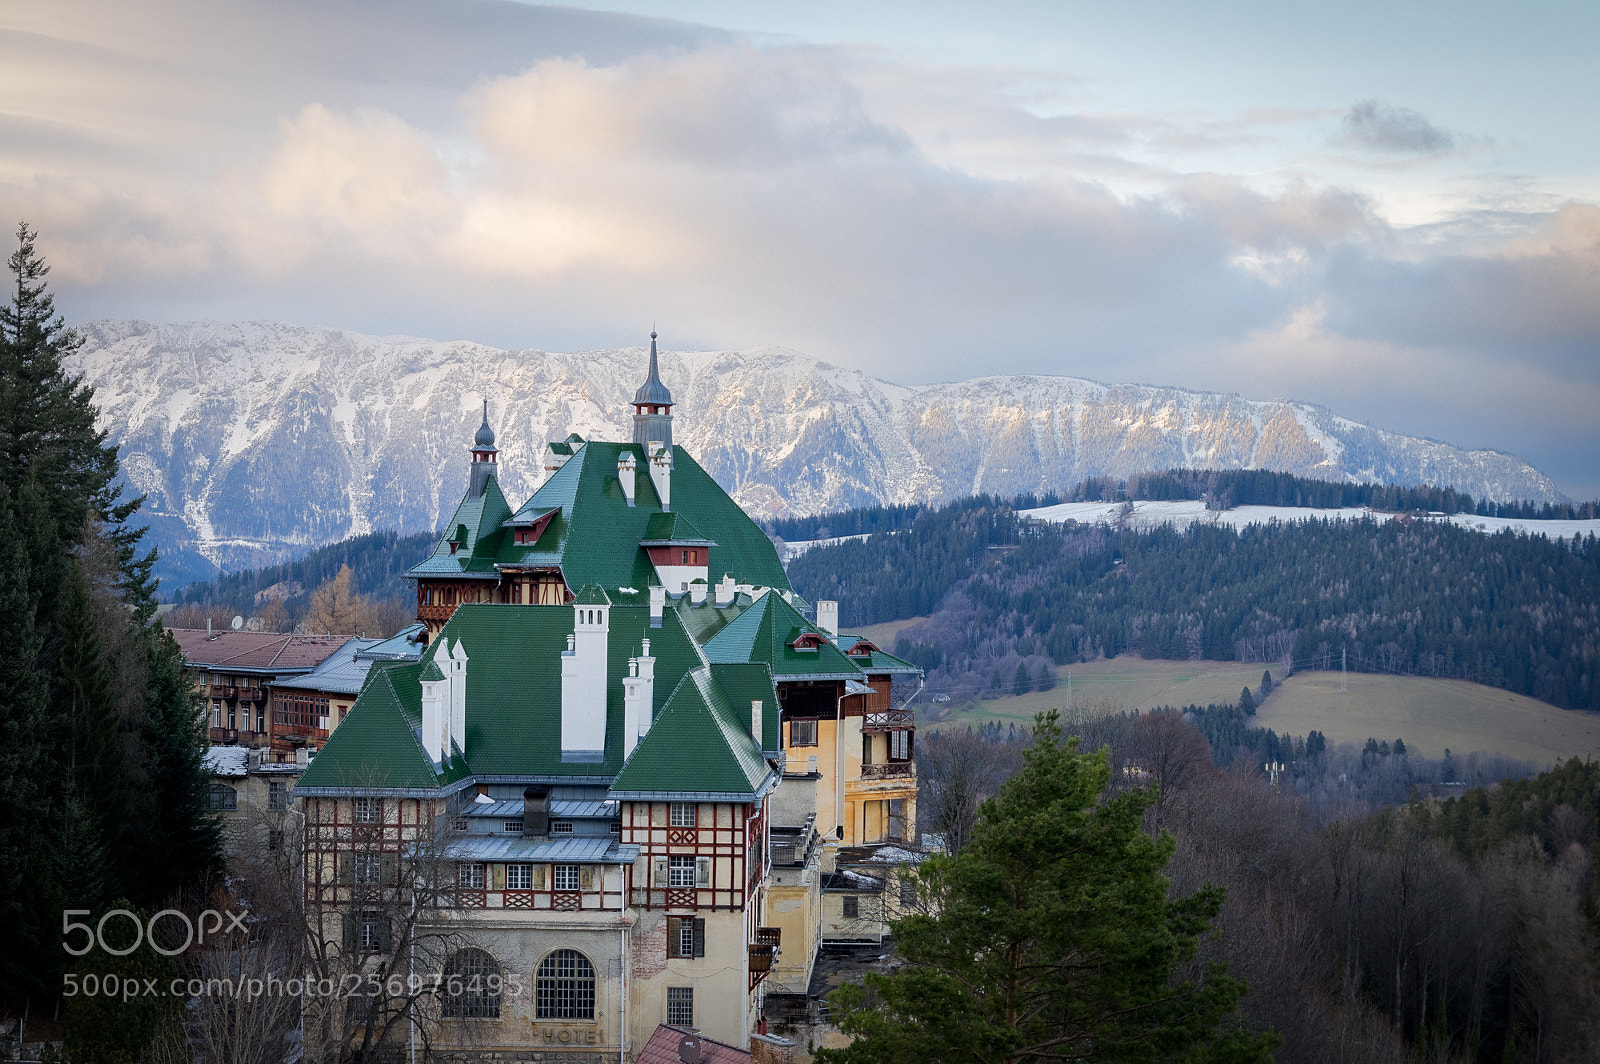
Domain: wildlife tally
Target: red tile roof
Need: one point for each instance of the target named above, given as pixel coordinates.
(663, 1048)
(264, 651)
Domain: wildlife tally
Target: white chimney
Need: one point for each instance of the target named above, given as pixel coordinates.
(725, 590)
(436, 712)
(456, 727)
(627, 473)
(697, 592)
(755, 722)
(658, 605)
(583, 680)
(661, 472)
(828, 617)
(638, 696)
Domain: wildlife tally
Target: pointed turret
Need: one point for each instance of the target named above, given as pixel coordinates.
(652, 406)
(484, 454)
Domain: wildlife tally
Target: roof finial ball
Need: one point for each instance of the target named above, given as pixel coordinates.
(483, 455)
(652, 406)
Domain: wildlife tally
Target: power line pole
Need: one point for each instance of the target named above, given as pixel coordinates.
(1342, 685)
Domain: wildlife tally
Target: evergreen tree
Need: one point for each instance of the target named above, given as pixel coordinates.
(1266, 683)
(1247, 704)
(1050, 936)
(26, 869)
(90, 732)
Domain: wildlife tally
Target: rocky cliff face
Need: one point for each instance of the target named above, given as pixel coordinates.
(255, 441)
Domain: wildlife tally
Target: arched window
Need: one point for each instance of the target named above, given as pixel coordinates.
(470, 989)
(564, 989)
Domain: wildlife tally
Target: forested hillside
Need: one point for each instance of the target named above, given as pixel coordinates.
(1009, 597)
(1222, 489)
(279, 596)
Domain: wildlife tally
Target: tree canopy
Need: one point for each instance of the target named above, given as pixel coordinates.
(1051, 936)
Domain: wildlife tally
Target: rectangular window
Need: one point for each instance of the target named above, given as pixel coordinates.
(459, 824)
(680, 1006)
(702, 871)
(469, 874)
(216, 714)
(681, 815)
(519, 877)
(680, 871)
(277, 795)
(686, 937)
(900, 746)
(802, 733)
(866, 749)
(852, 906)
(369, 868)
(261, 720)
(908, 892)
(224, 797)
(514, 825)
(561, 827)
(368, 810)
(566, 877)
(373, 932)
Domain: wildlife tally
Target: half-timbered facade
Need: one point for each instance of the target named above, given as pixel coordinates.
(617, 686)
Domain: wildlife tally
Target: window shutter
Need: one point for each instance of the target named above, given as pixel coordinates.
(586, 877)
(702, 871)
(499, 877)
(699, 938)
(349, 932)
(674, 936)
(385, 934)
(347, 868)
(538, 877)
(386, 869)
(658, 871)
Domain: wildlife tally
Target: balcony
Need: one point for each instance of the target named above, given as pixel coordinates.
(888, 720)
(892, 770)
(251, 694)
(223, 691)
(763, 952)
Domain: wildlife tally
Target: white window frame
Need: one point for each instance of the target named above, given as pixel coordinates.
(565, 877)
(680, 871)
(519, 877)
(367, 810)
(514, 826)
(471, 875)
(681, 815)
(680, 1006)
(803, 732)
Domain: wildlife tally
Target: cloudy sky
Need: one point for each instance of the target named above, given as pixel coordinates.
(1390, 209)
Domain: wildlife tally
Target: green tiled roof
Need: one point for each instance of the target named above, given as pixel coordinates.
(744, 684)
(875, 661)
(479, 519)
(763, 633)
(595, 538)
(696, 745)
(376, 745)
(673, 528)
(589, 595)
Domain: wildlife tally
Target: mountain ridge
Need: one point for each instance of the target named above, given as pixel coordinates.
(254, 441)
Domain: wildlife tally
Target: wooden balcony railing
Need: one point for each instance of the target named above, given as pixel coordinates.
(763, 953)
(889, 770)
(888, 719)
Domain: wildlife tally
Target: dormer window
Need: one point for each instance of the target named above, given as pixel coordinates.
(690, 557)
(808, 641)
(455, 545)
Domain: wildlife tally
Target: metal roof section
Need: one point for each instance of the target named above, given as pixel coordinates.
(672, 530)
(699, 743)
(343, 672)
(575, 849)
(474, 531)
(766, 633)
(404, 645)
(652, 392)
(560, 809)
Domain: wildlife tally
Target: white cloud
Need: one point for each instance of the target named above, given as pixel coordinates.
(541, 177)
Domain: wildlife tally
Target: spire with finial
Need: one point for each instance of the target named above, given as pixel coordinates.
(652, 405)
(484, 454)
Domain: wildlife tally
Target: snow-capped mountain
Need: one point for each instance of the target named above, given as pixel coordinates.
(256, 441)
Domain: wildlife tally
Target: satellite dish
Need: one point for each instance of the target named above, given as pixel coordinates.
(237, 622)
